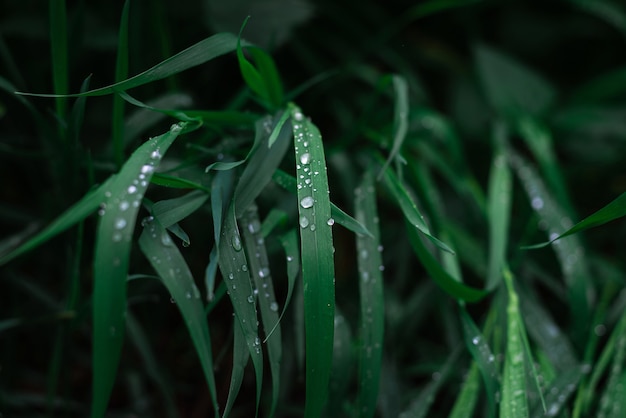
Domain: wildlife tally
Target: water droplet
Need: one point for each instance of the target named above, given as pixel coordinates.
(101, 212)
(147, 169)
(254, 226)
(289, 258)
(363, 254)
(305, 158)
(475, 340)
(107, 194)
(176, 127)
(117, 236)
(330, 222)
(244, 267)
(304, 222)
(155, 155)
(381, 268)
(236, 243)
(274, 307)
(298, 116)
(264, 272)
(599, 330)
(250, 299)
(307, 202)
(120, 223)
(165, 239)
(188, 295)
(313, 227)
(380, 248)
(124, 205)
(131, 189)
(537, 203)
(231, 276)
(172, 300)
(147, 221)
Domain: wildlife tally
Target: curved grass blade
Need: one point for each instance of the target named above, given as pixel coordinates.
(235, 271)
(514, 403)
(468, 396)
(400, 118)
(240, 359)
(112, 252)
(176, 182)
(289, 183)
(262, 162)
(371, 286)
(318, 274)
(173, 271)
(614, 210)
(121, 73)
(79, 211)
(499, 208)
(203, 51)
(409, 208)
(483, 359)
(171, 211)
(266, 299)
(439, 275)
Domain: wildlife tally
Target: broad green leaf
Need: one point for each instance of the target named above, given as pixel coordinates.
(235, 271)
(372, 304)
(614, 210)
(203, 51)
(318, 274)
(113, 243)
(264, 294)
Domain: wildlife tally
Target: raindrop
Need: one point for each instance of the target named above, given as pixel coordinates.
(380, 248)
(155, 155)
(176, 127)
(537, 203)
(298, 116)
(381, 268)
(244, 267)
(305, 158)
(107, 194)
(250, 299)
(254, 226)
(147, 169)
(264, 272)
(304, 222)
(124, 205)
(231, 276)
(274, 307)
(131, 189)
(165, 239)
(147, 220)
(475, 340)
(172, 300)
(289, 258)
(101, 212)
(307, 202)
(330, 222)
(236, 243)
(117, 236)
(120, 223)
(188, 295)
(313, 227)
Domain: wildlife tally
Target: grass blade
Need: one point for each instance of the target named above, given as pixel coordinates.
(168, 212)
(240, 359)
(121, 73)
(400, 118)
(499, 209)
(468, 396)
(112, 252)
(614, 210)
(343, 362)
(203, 51)
(371, 285)
(235, 271)
(317, 259)
(266, 299)
(514, 403)
(58, 46)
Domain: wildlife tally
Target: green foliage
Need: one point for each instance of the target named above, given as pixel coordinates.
(454, 134)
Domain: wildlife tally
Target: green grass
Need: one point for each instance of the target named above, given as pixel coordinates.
(415, 212)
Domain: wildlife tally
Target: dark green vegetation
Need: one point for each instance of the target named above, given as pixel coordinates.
(331, 216)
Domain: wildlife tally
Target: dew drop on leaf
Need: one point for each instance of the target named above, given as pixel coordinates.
(236, 243)
(304, 222)
(274, 307)
(305, 158)
(307, 202)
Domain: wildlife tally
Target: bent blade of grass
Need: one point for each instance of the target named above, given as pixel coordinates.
(614, 210)
(240, 359)
(266, 299)
(465, 402)
(169, 212)
(203, 51)
(289, 183)
(235, 271)
(409, 208)
(112, 252)
(318, 274)
(178, 114)
(400, 118)
(269, 74)
(371, 286)
(499, 208)
(483, 359)
(262, 162)
(79, 211)
(448, 283)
